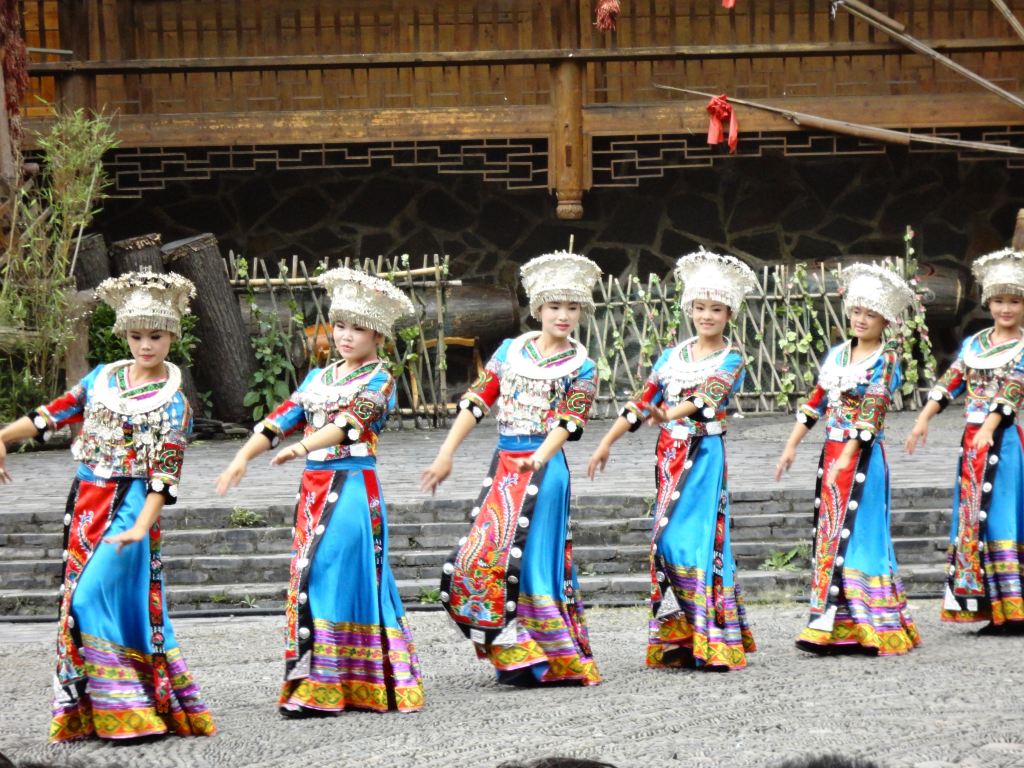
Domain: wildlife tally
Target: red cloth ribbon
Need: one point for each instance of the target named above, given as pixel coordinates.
(728, 3)
(720, 110)
(607, 13)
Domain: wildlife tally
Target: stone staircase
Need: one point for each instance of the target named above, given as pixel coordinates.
(212, 566)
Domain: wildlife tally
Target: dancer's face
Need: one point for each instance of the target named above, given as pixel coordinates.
(710, 318)
(1007, 311)
(559, 318)
(355, 343)
(149, 348)
(866, 324)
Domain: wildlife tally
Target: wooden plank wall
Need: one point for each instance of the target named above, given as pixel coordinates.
(738, 47)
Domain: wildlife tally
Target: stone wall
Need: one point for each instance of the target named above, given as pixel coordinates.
(765, 209)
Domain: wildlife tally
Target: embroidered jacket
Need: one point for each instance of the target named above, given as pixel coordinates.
(854, 398)
(992, 376)
(358, 402)
(534, 394)
(678, 377)
(128, 431)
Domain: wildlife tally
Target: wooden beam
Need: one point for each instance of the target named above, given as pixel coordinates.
(491, 58)
(919, 111)
(326, 127)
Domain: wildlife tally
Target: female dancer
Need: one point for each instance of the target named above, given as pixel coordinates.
(987, 534)
(120, 673)
(510, 585)
(857, 599)
(697, 616)
(348, 644)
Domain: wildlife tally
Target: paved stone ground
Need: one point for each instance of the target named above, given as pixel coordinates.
(952, 702)
(754, 443)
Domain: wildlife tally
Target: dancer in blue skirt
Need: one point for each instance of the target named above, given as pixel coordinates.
(120, 673)
(697, 616)
(510, 585)
(857, 601)
(348, 643)
(985, 567)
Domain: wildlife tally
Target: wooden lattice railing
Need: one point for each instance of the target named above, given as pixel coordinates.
(288, 295)
(784, 328)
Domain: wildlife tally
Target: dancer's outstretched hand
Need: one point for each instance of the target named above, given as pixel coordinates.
(598, 461)
(657, 414)
(983, 438)
(124, 538)
(5, 476)
(785, 462)
(529, 464)
(435, 474)
(919, 432)
(231, 476)
(287, 454)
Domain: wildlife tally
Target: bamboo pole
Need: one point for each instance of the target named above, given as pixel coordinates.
(1010, 17)
(894, 29)
(859, 130)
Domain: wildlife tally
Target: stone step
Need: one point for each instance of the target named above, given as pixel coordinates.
(184, 516)
(624, 531)
(616, 589)
(273, 565)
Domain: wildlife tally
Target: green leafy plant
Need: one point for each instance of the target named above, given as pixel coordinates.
(248, 601)
(37, 309)
(219, 598)
(240, 517)
(791, 560)
(916, 349)
(275, 374)
(430, 596)
(805, 337)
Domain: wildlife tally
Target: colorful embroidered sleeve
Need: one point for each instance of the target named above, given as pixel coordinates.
(816, 404)
(484, 392)
(287, 417)
(367, 410)
(165, 472)
(886, 376)
(1011, 393)
(639, 406)
(66, 409)
(953, 382)
(712, 395)
(573, 410)
(813, 408)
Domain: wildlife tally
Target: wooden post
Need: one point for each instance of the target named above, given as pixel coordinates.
(75, 90)
(223, 360)
(1018, 232)
(568, 152)
(92, 266)
(137, 253)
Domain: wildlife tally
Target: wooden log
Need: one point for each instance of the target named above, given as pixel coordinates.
(484, 311)
(1018, 232)
(137, 253)
(224, 359)
(92, 266)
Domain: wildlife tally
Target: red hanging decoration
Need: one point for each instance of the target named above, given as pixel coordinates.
(729, 4)
(607, 14)
(720, 110)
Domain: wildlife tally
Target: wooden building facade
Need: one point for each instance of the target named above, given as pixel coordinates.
(524, 93)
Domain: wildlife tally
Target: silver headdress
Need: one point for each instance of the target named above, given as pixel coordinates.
(560, 276)
(714, 277)
(363, 300)
(1000, 273)
(877, 288)
(145, 300)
